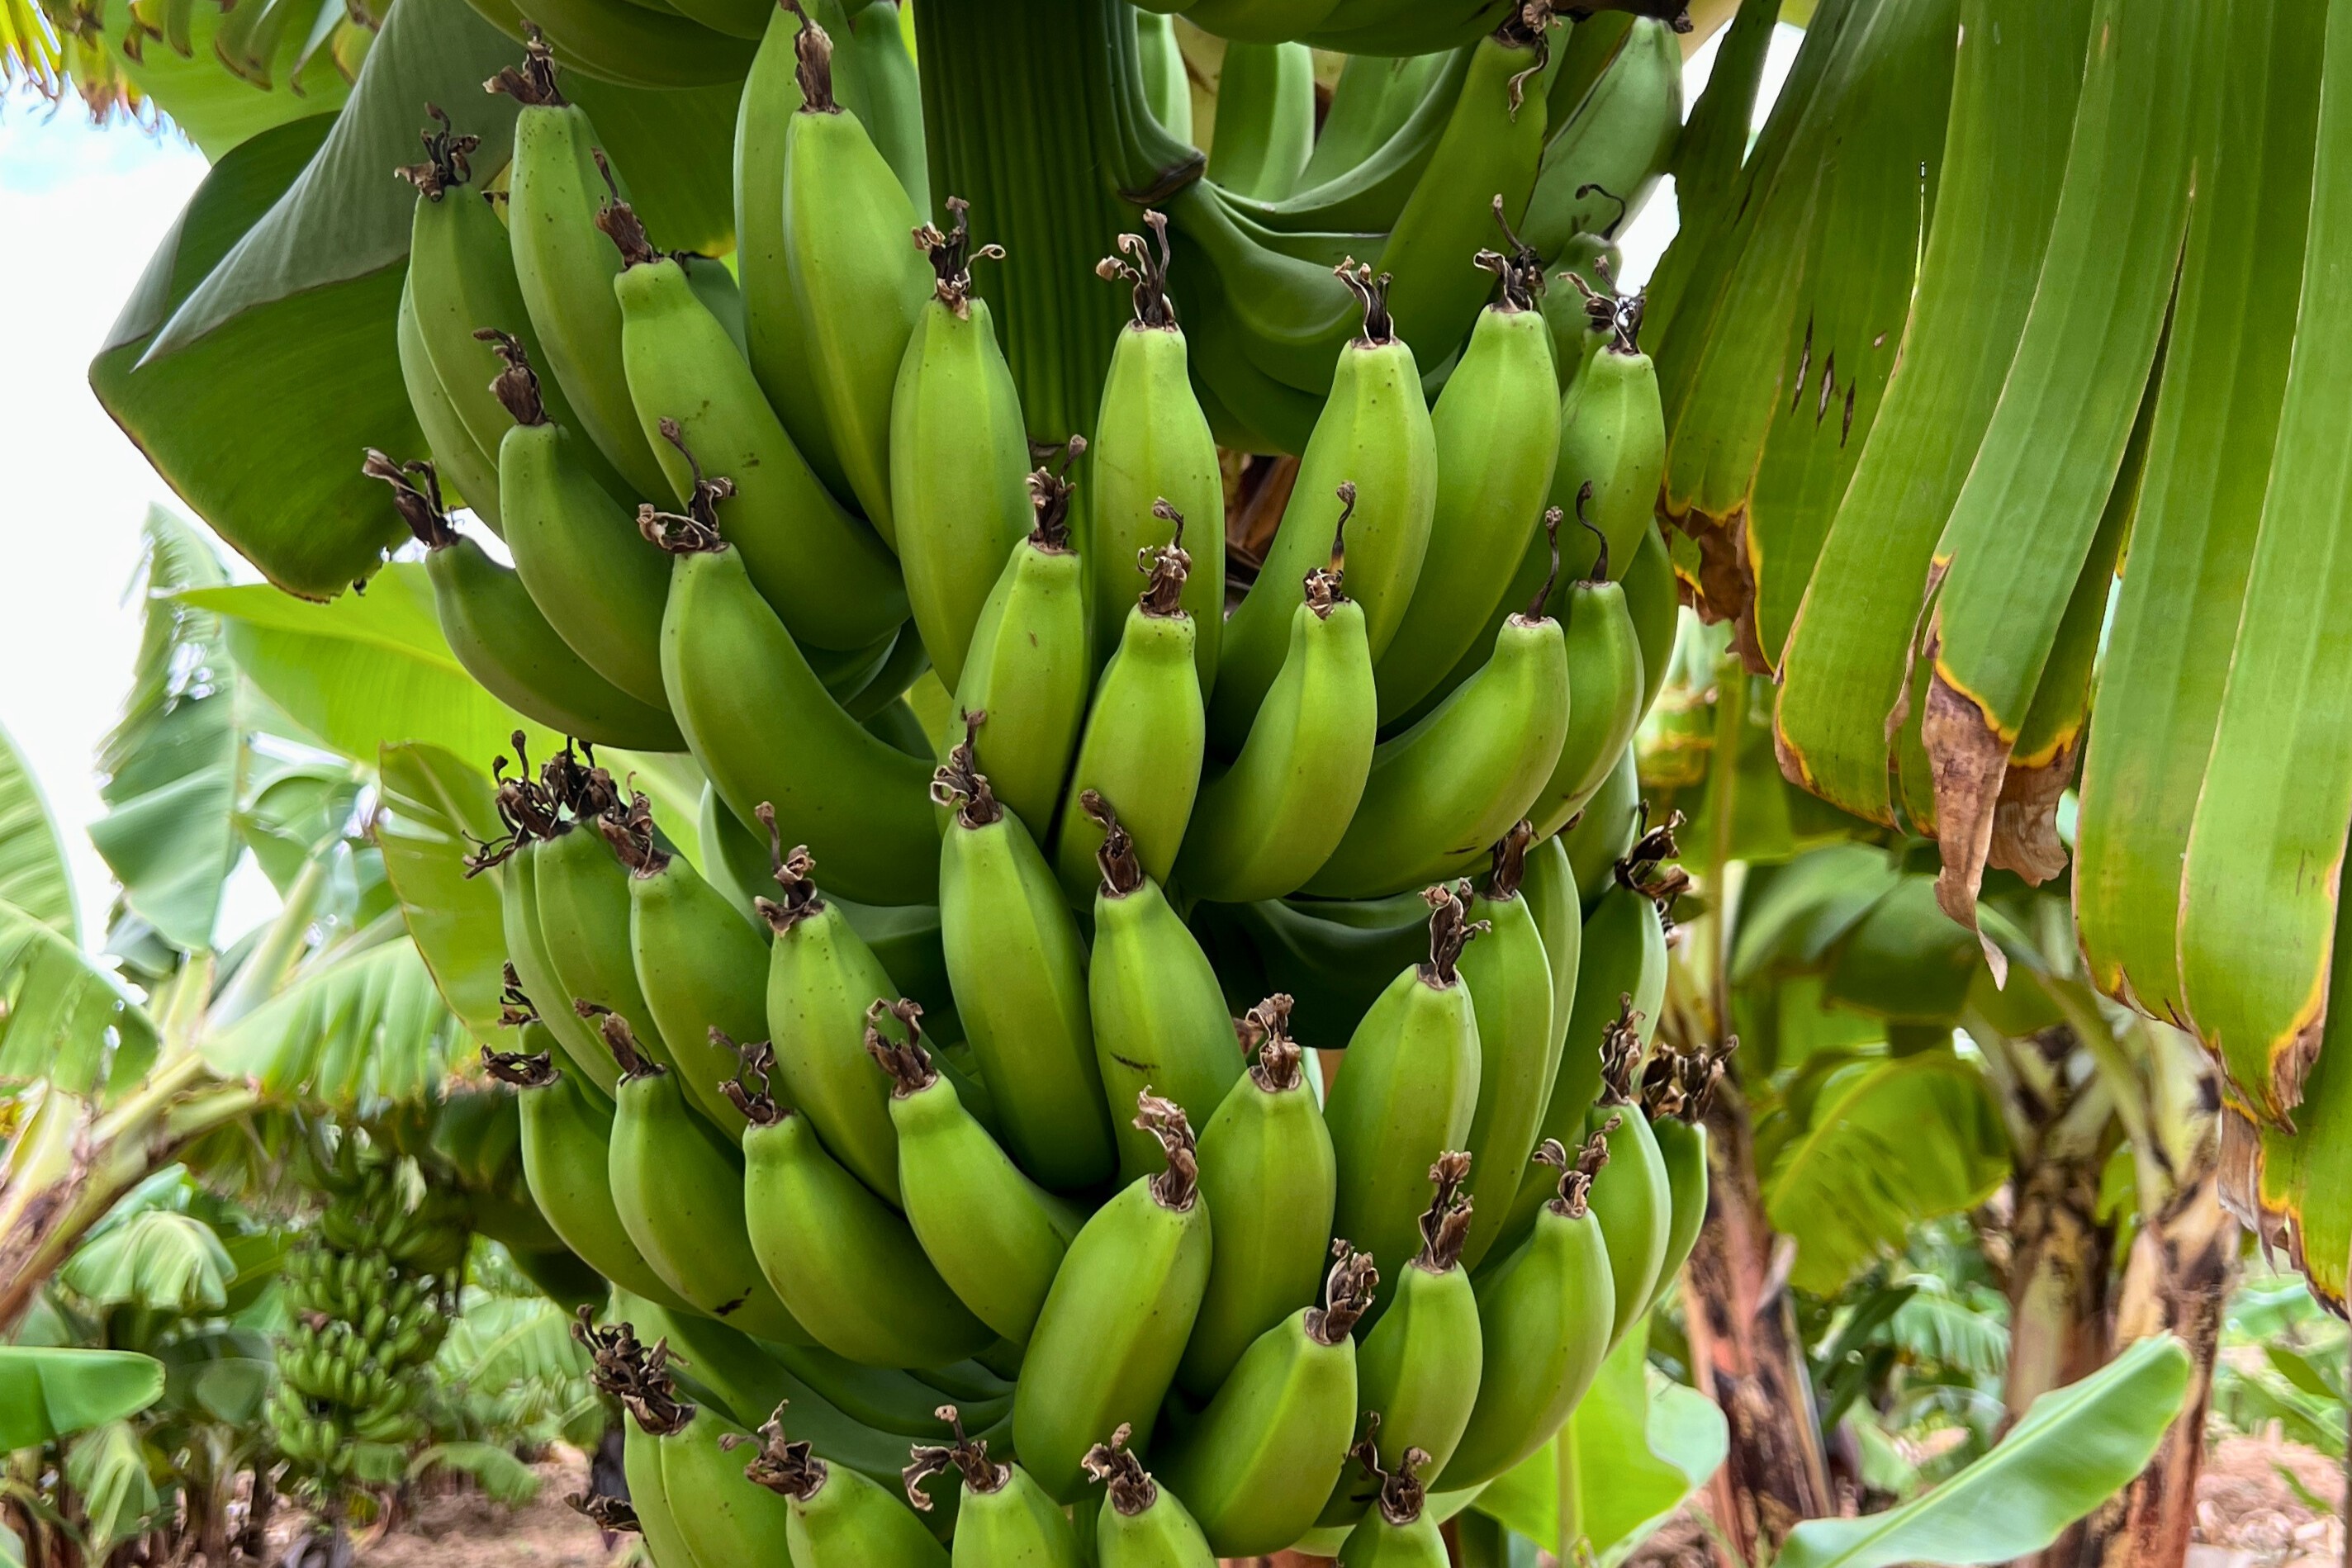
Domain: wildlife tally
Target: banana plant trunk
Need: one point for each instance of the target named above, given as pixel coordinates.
(1748, 1354)
(2058, 1288)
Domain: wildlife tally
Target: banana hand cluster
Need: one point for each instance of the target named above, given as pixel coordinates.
(1173, 1100)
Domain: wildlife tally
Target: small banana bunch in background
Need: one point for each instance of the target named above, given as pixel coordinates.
(1140, 1063)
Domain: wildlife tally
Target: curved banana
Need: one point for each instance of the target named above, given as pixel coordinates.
(1159, 1015)
(1167, 88)
(1017, 965)
(1144, 738)
(1615, 143)
(1509, 973)
(1605, 682)
(1549, 888)
(1441, 792)
(1398, 1533)
(1612, 437)
(839, 1518)
(1266, 111)
(766, 730)
(1140, 1524)
(1370, 158)
(1675, 1101)
(1497, 428)
(1257, 1464)
(1028, 671)
(1152, 445)
(582, 892)
(1262, 826)
(1406, 1091)
(1630, 1195)
(1581, 319)
(470, 473)
(885, 91)
(1654, 602)
(531, 973)
(1370, 103)
(1269, 1177)
(1605, 830)
(499, 636)
(1544, 1313)
(719, 1518)
(1006, 1519)
(1115, 1322)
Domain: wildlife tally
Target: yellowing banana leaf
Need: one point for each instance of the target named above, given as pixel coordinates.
(357, 1034)
(33, 875)
(2074, 1448)
(2201, 502)
(2022, 526)
(2265, 852)
(1887, 1144)
(433, 803)
(47, 1392)
(217, 107)
(1849, 652)
(61, 1019)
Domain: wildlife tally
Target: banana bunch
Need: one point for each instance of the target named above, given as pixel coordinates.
(1190, 1092)
(368, 1294)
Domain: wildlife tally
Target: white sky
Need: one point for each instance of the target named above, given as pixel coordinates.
(83, 210)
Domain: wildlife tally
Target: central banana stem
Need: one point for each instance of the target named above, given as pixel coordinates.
(1034, 111)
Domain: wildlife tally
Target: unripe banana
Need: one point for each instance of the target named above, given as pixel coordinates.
(1269, 1177)
(1262, 826)
(577, 549)
(1266, 119)
(1629, 1196)
(827, 575)
(720, 1519)
(959, 455)
(1550, 888)
(1461, 775)
(857, 287)
(1496, 429)
(1115, 1322)
(1406, 1091)
(839, 1518)
(470, 473)
(1612, 436)
(766, 729)
(843, 1262)
(1581, 319)
(1510, 974)
(499, 635)
(1675, 1090)
(995, 1237)
(1143, 742)
(1258, 1464)
(1654, 602)
(1398, 1533)
(1605, 683)
(583, 895)
(1605, 830)
(822, 980)
(1006, 1519)
(1027, 673)
(564, 267)
(621, 1370)
(1375, 432)
(1018, 967)
(1140, 1524)
(531, 973)
(1544, 1313)
(1152, 443)
(1166, 87)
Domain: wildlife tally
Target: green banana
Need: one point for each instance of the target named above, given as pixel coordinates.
(679, 1193)
(1398, 1532)
(1265, 117)
(1256, 1466)
(1141, 1525)
(1441, 792)
(556, 185)
(995, 1237)
(499, 635)
(1406, 1090)
(472, 473)
(1544, 1312)
(1601, 833)
(582, 892)
(959, 458)
(1418, 1373)
(1509, 973)
(1167, 88)
(1263, 825)
(1655, 602)
(1629, 1196)
(566, 1135)
(1496, 431)
(1549, 887)
(1144, 741)
(844, 1262)
(1159, 1015)
(1605, 686)
(577, 550)
(1612, 436)
(719, 1518)
(823, 981)
(632, 45)
(1581, 319)
(1114, 1324)
(1257, 22)
(1335, 958)
(732, 857)
(1027, 673)
(766, 729)
(885, 91)
(1269, 1177)
(828, 576)
(839, 1518)
(1614, 143)
(1017, 965)
(1006, 1519)
(1675, 1090)
(1152, 445)
(641, 1469)
(857, 287)
(1374, 432)
(530, 816)
(893, 1399)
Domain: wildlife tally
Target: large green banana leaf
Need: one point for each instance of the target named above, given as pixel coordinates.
(62, 1018)
(33, 875)
(433, 802)
(158, 1259)
(47, 1392)
(357, 1034)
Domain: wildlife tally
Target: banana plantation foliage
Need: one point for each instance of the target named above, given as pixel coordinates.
(1052, 785)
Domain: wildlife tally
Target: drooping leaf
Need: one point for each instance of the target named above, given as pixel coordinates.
(434, 807)
(498, 1473)
(358, 1034)
(1887, 1144)
(159, 1259)
(1905, 961)
(1933, 1324)
(33, 875)
(221, 1376)
(1789, 922)
(107, 1467)
(61, 1019)
(295, 810)
(2074, 1448)
(50, 1392)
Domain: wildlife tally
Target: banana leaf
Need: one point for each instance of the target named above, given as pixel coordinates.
(33, 873)
(359, 1034)
(47, 1392)
(159, 1259)
(432, 804)
(61, 1019)
(107, 1469)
